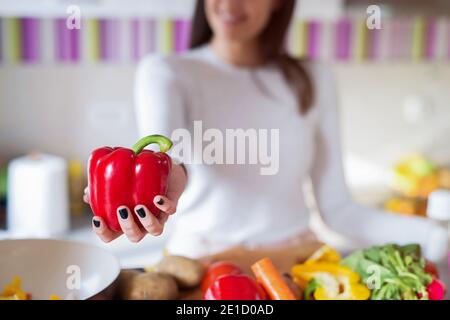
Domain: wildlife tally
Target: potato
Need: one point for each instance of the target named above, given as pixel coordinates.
(124, 279)
(187, 272)
(150, 286)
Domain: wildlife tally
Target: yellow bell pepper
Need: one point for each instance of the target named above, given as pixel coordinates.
(13, 291)
(336, 282)
(324, 254)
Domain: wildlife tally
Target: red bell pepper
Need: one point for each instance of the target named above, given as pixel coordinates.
(431, 268)
(121, 176)
(235, 287)
(436, 290)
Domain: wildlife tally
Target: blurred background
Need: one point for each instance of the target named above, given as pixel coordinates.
(64, 92)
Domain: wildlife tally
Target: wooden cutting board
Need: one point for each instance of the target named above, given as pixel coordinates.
(283, 258)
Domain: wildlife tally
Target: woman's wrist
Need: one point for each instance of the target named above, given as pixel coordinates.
(177, 180)
(176, 162)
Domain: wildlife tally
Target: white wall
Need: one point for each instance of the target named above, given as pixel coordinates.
(65, 110)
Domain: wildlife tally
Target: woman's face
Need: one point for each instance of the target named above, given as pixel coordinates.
(239, 20)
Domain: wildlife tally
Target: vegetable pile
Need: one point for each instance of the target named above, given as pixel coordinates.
(394, 272)
(388, 272)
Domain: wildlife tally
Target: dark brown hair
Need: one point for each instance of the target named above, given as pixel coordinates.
(273, 45)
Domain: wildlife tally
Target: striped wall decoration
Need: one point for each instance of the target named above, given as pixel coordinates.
(1, 41)
(343, 40)
(182, 34)
(31, 40)
(67, 42)
(373, 42)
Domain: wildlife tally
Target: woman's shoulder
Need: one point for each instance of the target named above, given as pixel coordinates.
(176, 64)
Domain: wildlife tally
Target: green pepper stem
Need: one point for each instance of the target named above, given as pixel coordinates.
(163, 142)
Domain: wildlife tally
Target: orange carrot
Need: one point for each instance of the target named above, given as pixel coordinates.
(272, 281)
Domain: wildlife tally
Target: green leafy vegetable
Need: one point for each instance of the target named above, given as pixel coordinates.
(391, 271)
(313, 284)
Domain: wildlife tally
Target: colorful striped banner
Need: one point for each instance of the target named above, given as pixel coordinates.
(109, 41)
(62, 43)
(47, 40)
(74, 44)
(30, 39)
(182, 34)
(104, 33)
(150, 36)
(135, 40)
(165, 36)
(326, 41)
(373, 44)
(361, 40)
(93, 39)
(343, 39)
(314, 29)
(2, 46)
(418, 44)
(300, 38)
(442, 30)
(401, 39)
(36, 40)
(143, 37)
(67, 42)
(448, 39)
(430, 39)
(14, 42)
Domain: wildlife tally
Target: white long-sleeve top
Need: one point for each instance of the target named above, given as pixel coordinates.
(234, 204)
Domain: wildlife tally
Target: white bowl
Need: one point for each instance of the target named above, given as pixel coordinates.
(67, 269)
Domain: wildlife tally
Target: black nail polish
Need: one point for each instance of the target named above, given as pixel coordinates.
(141, 212)
(96, 223)
(123, 213)
(160, 201)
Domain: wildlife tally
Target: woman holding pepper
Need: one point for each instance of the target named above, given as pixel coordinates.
(239, 75)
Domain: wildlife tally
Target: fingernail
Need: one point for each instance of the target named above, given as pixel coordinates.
(123, 213)
(141, 212)
(96, 223)
(160, 201)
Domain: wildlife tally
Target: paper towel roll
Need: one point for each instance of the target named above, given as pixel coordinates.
(37, 196)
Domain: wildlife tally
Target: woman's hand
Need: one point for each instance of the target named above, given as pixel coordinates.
(148, 222)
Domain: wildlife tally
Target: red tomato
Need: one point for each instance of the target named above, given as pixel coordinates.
(216, 270)
(431, 268)
(234, 287)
